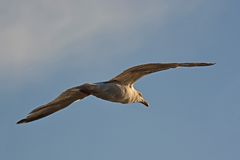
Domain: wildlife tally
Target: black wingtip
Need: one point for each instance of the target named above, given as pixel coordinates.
(205, 64)
(210, 64)
(22, 121)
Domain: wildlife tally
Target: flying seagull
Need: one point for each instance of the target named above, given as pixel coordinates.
(120, 89)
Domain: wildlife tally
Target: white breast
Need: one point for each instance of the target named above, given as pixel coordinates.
(114, 92)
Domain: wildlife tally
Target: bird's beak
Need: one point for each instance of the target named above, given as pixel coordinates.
(145, 103)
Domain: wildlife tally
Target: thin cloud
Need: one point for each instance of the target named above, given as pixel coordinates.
(36, 32)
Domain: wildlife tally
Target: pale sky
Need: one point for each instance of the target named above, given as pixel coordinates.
(48, 46)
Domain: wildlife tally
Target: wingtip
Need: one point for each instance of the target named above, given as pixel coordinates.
(22, 121)
(210, 64)
(206, 64)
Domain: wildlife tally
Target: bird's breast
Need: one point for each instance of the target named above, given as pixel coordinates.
(112, 92)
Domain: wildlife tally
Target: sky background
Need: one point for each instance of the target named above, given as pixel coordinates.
(47, 46)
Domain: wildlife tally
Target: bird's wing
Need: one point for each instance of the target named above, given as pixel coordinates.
(132, 74)
(62, 101)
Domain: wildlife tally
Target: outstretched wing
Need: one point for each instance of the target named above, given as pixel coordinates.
(62, 101)
(131, 75)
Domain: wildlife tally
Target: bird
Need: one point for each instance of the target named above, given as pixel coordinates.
(119, 89)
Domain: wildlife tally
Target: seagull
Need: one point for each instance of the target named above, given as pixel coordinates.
(120, 89)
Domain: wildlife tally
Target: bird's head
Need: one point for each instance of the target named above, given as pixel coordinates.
(142, 100)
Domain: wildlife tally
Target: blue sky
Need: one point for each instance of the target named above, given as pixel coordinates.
(46, 47)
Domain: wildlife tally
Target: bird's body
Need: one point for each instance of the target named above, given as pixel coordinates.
(120, 89)
(115, 92)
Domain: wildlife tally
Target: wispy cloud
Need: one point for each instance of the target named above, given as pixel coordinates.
(35, 32)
